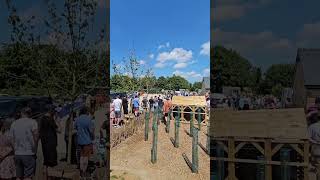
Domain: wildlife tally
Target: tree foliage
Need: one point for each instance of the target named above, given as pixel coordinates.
(66, 64)
(231, 69)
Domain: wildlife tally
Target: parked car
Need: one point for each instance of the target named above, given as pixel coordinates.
(11, 105)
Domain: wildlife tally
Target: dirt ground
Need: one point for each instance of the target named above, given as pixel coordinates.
(131, 160)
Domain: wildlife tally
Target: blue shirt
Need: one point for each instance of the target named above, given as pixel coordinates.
(84, 126)
(136, 102)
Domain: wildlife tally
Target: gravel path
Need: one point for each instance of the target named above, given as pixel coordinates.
(131, 160)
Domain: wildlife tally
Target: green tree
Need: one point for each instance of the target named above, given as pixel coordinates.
(197, 85)
(177, 82)
(279, 75)
(162, 83)
(230, 69)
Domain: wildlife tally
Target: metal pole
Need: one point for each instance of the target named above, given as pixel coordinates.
(155, 139)
(176, 133)
(191, 125)
(285, 169)
(146, 130)
(168, 122)
(220, 154)
(260, 169)
(199, 119)
(195, 158)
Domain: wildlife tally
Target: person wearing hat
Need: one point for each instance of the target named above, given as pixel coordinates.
(48, 135)
(25, 135)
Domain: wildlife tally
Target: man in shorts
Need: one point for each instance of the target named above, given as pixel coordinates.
(25, 135)
(166, 108)
(84, 126)
(117, 110)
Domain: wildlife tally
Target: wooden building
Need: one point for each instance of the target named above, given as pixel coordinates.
(306, 84)
(205, 85)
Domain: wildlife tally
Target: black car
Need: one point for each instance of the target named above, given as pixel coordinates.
(10, 106)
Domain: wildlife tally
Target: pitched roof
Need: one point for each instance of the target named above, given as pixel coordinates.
(310, 59)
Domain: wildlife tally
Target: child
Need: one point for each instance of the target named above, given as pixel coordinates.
(112, 116)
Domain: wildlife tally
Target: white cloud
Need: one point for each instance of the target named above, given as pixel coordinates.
(259, 43)
(151, 56)
(166, 45)
(177, 54)
(180, 65)
(206, 72)
(142, 62)
(309, 35)
(205, 49)
(235, 9)
(191, 75)
(160, 65)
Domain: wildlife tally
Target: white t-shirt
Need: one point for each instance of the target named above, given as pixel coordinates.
(21, 133)
(117, 104)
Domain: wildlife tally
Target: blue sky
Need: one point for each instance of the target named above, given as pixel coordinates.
(267, 31)
(171, 37)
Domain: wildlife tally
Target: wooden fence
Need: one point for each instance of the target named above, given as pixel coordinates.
(130, 127)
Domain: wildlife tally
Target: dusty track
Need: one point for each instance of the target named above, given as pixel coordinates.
(131, 160)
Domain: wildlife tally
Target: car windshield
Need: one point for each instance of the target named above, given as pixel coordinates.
(7, 108)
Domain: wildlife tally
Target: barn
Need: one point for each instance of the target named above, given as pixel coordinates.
(306, 85)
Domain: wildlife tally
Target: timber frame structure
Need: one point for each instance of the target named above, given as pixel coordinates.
(192, 104)
(266, 134)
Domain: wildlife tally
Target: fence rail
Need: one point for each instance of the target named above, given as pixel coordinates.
(131, 126)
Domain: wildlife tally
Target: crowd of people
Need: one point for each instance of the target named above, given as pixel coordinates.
(19, 141)
(136, 104)
(251, 102)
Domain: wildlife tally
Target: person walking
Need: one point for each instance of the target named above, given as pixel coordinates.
(125, 105)
(70, 122)
(151, 102)
(166, 108)
(49, 141)
(145, 103)
(84, 127)
(136, 105)
(7, 165)
(160, 102)
(117, 109)
(25, 135)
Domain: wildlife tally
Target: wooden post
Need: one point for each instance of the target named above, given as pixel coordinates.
(285, 169)
(231, 156)
(168, 122)
(146, 130)
(195, 154)
(176, 133)
(191, 124)
(268, 157)
(199, 119)
(214, 163)
(155, 139)
(260, 169)
(306, 159)
(220, 163)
